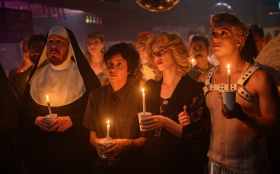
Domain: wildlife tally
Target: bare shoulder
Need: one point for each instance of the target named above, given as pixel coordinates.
(261, 76)
(261, 80)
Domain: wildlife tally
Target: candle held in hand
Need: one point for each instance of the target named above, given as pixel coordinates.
(143, 99)
(229, 76)
(192, 62)
(49, 104)
(108, 126)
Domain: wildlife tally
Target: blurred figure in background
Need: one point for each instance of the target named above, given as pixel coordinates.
(143, 45)
(258, 35)
(95, 51)
(198, 56)
(26, 62)
(32, 49)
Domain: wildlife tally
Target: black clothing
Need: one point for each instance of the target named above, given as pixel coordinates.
(66, 151)
(9, 158)
(19, 81)
(169, 154)
(196, 72)
(121, 107)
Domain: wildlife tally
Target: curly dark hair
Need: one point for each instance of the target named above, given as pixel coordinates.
(128, 52)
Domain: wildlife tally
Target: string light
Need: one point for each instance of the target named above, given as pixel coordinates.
(93, 19)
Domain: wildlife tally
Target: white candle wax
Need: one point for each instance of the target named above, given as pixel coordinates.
(229, 76)
(143, 100)
(108, 125)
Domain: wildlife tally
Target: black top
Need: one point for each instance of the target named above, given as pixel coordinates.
(8, 119)
(121, 107)
(68, 145)
(19, 81)
(196, 72)
(168, 153)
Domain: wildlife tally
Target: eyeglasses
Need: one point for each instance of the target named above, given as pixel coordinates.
(163, 49)
(160, 52)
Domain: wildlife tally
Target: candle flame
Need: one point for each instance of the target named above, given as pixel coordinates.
(143, 90)
(108, 122)
(228, 69)
(192, 61)
(47, 98)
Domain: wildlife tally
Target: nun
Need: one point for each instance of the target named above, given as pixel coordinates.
(54, 139)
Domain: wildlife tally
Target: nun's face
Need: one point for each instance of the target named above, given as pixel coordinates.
(57, 49)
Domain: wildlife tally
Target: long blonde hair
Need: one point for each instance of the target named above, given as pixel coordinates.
(175, 43)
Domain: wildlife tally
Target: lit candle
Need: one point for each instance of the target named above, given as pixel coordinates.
(144, 100)
(185, 108)
(49, 104)
(229, 76)
(192, 62)
(108, 125)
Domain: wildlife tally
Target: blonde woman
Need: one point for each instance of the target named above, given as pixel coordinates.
(143, 46)
(173, 144)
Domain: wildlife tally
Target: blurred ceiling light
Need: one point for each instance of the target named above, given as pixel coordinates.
(273, 13)
(73, 12)
(157, 6)
(223, 4)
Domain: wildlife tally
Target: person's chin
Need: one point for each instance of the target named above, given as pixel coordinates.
(55, 61)
(160, 67)
(114, 79)
(217, 52)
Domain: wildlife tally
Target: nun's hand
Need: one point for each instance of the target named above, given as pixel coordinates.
(62, 124)
(184, 118)
(41, 122)
(153, 122)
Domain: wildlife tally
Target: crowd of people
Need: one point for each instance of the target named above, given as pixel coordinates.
(156, 105)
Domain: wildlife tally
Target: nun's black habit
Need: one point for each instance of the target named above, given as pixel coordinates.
(64, 152)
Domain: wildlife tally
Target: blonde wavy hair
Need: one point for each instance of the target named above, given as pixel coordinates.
(175, 43)
(144, 40)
